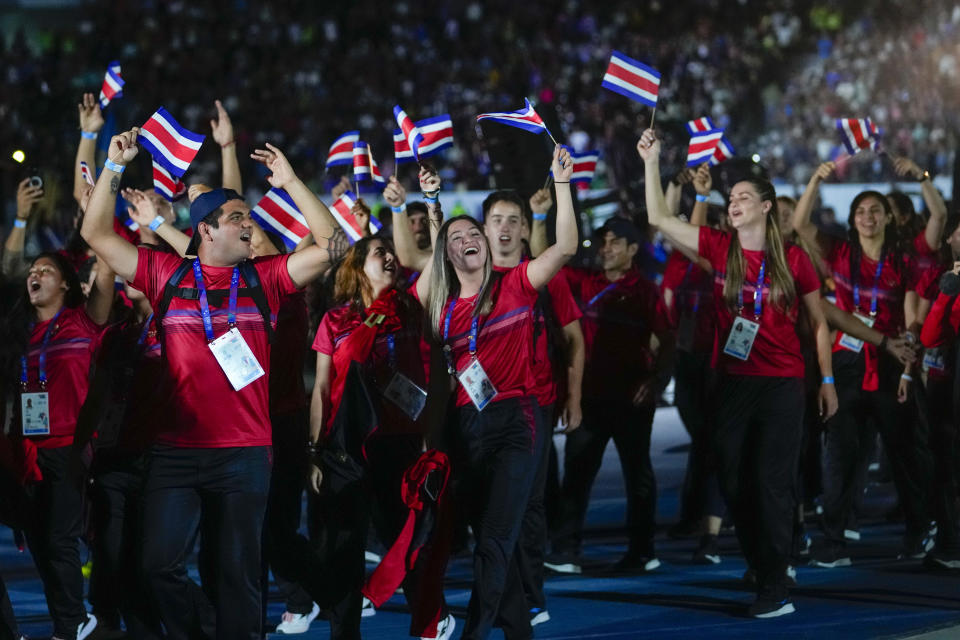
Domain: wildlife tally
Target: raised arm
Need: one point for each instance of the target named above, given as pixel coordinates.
(102, 293)
(91, 121)
(144, 212)
(674, 191)
(331, 243)
(404, 243)
(97, 227)
(801, 215)
(702, 183)
(680, 233)
(540, 203)
(27, 196)
(223, 135)
(430, 187)
(933, 233)
(542, 268)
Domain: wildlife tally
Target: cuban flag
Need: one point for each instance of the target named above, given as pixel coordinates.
(527, 118)
(724, 151)
(348, 222)
(86, 173)
(341, 151)
(584, 166)
(170, 144)
(437, 135)
(858, 134)
(410, 131)
(112, 88)
(632, 78)
(277, 212)
(699, 125)
(702, 146)
(167, 185)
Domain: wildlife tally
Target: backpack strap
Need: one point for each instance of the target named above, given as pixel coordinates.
(169, 291)
(252, 278)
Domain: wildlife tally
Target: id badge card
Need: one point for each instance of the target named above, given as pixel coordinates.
(477, 385)
(406, 394)
(934, 359)
(853, 344)
(740, 341)
(236, 359)
(686, 328)
(35, 413)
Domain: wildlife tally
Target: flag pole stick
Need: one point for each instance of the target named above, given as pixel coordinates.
(653, 116)
(548, 181)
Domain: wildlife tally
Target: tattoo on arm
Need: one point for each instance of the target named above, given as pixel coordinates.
(337, 245)
(115, 184)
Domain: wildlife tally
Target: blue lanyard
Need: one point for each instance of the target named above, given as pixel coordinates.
(610, 287)
(42, 360)
(205, 306)
(392, 350)
(758, 294)
(874, 292)
(145, 331)
(696, 292)
(446, 334)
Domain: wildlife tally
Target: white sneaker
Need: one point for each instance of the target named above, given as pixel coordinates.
(367, 609)
(371, 557)
(539, 616)
(852, 534)
(293, 623)
(444, 629)
(84, 629)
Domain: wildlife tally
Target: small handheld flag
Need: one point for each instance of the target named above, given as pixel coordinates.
(277, 212)
(341, 151)
(527, 119)
(702, 146)
(584, 166)
(410, 131)
(699, 125)
(86, 173)
(857, 134)
(437, 135)
(341, 211)
(112, 88)
(172, 146)
(724, 151)
(167, 185)
(361, 161)
(633, 79)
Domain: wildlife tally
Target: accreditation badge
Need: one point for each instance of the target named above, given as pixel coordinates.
(406, 394)
(853, 344)
(35, 413)
(236, 359)
(477, 385)
(934, 359)
(740, 341)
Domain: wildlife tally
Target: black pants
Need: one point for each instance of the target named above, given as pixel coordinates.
(54, 537)
(694, 380)
(224, 492)
(494, 454)
(758, 428)
(944, 441)
(849, 439)
(8, 622)
(630, 428)
(282, 541)
(533, 530)
(116, 584)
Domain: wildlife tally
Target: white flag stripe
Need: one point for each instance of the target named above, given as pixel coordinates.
(187, 142)
(164, 150)
(276, 226)
(283, 204)
(632, 88)
(632, 69)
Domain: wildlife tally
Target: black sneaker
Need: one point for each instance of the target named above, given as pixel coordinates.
(830, 557)
(766, 606)
(635, 563)
(750, 577)
(563, 563)
(916, 546)
(707, 552)
(684, 529)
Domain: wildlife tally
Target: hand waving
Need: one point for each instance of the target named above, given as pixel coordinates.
(222, 127)
(91, 119)
(274, 160)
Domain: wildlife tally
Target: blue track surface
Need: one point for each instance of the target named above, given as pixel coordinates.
(877, 597)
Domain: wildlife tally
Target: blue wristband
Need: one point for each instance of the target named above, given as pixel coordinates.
(701, 198)
(399, 209)
(827, 380)
(430, 200)
(156, 222)
(19, 223)
(539, 216)
(88, 135)
(113, 166)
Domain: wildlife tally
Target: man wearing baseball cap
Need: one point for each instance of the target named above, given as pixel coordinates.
(622, 381)
(211, 460)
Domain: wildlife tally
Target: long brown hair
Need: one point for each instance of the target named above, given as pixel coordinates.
(782, 288)
(352, 284)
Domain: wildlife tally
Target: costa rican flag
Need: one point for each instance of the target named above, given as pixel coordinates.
(526, 118)
(112, 88)
(341, 151)
(584, 166)
(632, 78)
(86, 173)
(170, 144)
(724, 151)
(702, 147)
(437, 135)
(364, 166)
(276, 211)
(857, 134)
(167, 185)
(348, 222)
(410, 131)
(699, 125)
